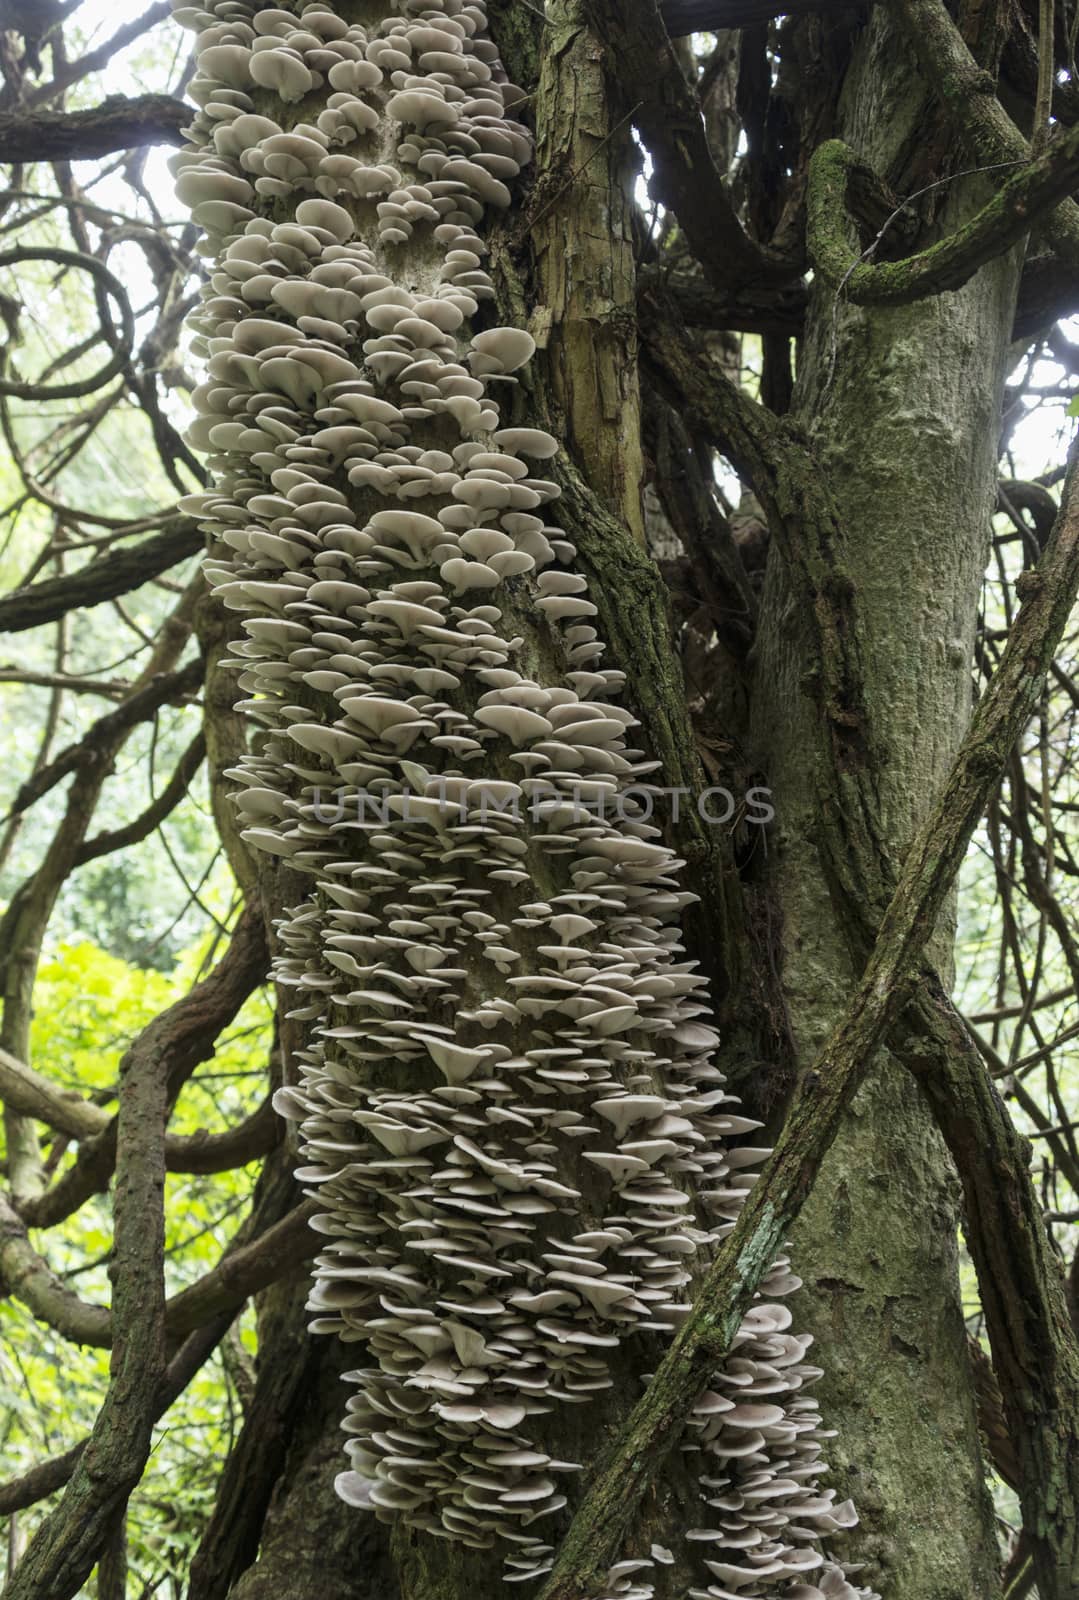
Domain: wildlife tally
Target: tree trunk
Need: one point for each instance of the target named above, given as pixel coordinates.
(902, 405)
(310, 1543)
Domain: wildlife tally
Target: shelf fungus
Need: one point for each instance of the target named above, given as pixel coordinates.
(508, 1105)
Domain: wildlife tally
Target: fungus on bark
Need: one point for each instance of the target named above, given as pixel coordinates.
(470, 1043)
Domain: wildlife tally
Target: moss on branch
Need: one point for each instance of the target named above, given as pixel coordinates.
(951, 262)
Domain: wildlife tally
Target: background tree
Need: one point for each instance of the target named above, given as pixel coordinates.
(804, 505)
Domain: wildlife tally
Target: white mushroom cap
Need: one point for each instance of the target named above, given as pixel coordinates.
(502, 349)
(527, 442)
(324, 214)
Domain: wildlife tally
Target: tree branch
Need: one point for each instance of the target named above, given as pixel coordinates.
(118, 123)
(712, 16)
(33, 1095)
(138, 707)
(771, 454)
(667, 110)
(968, 96)
(28, 1276)
(1035, 1353)
(748, 310)
(1001, 223)
(93, 61)
(46, 1477)
(861, 877)
(207, 1153)
(275, 1193)
(63, 1550)
(110, 575)
(243, 1270)
(103, 844)
(105, 283)
(191, 1027)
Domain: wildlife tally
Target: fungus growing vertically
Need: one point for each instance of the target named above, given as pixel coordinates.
(508, 1106)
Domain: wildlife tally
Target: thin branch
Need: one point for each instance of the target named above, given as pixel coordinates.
(104, 281)
(138, 707)
(94, 60)
(207, 1153)
(275, 1195)
(46, 1477)
(244, 1271)
(749, 310)
(103, 844)
(107, 688)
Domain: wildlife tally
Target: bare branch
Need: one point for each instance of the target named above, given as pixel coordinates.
(244, 1271)
(46, 1477)
(206, 1152)
(118, 572)
(66, 1544)
(666, 109)
(118, 123)
(138, 707)
(191, 1027)
(27, 1275)
(103, 844)
(123, 346)
(95, 59)
(33, 1095)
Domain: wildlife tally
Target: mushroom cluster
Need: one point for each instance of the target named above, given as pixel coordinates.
(509, 1106)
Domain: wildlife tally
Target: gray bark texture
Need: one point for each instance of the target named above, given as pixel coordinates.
(901, 405)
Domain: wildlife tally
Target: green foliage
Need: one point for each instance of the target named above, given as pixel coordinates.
(88, 1005)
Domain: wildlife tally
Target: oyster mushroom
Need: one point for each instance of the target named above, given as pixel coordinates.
(473, 1052)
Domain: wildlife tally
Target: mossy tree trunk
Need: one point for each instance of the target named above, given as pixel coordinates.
(902, 407)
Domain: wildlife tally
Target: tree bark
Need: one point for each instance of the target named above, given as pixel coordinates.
(278, 1531)
(901, 405)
